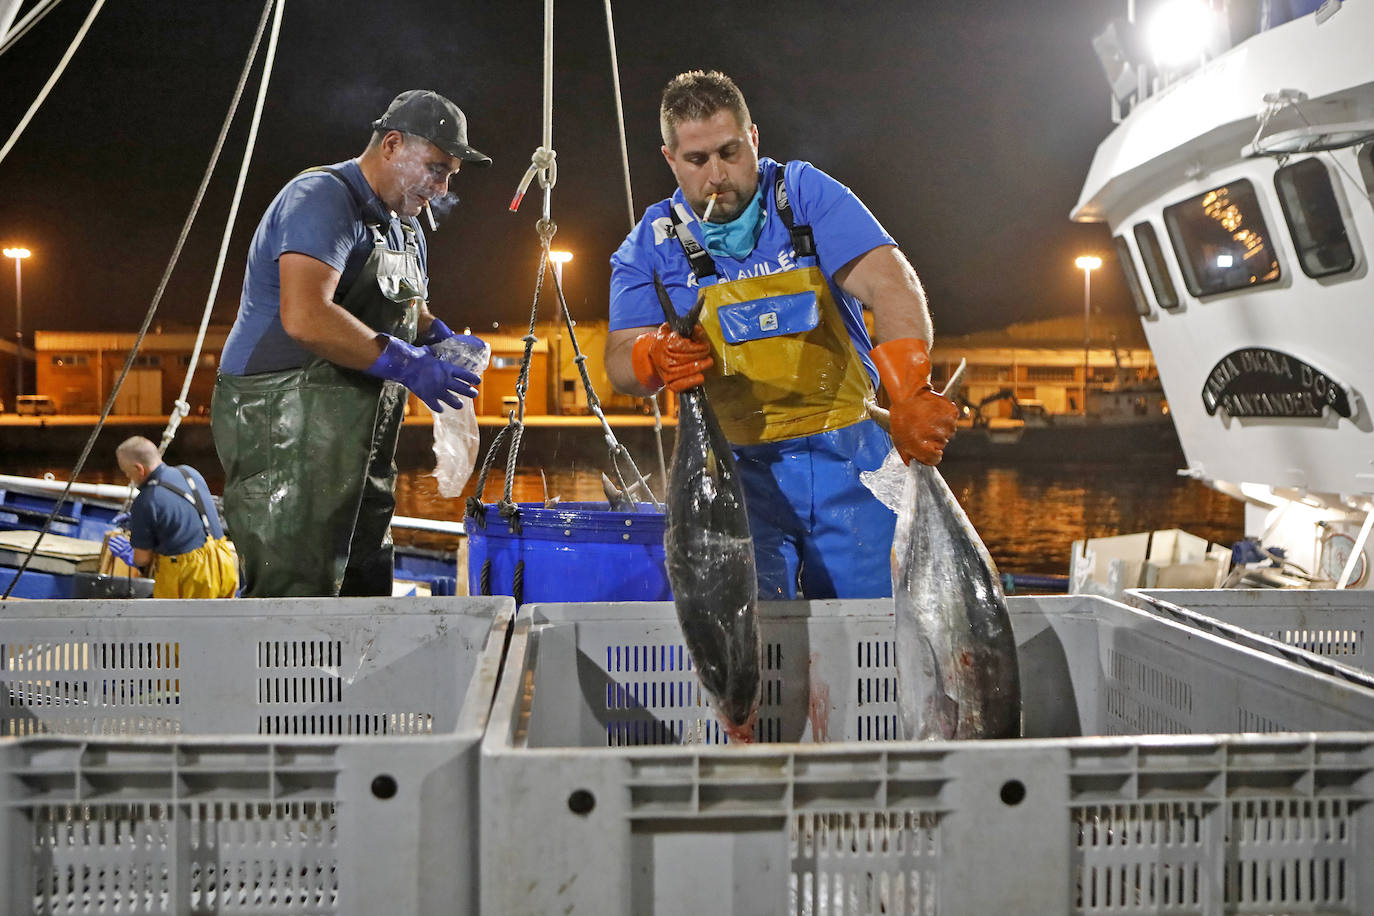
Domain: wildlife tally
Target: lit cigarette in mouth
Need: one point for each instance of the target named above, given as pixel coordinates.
(429, 215)
(710, 204)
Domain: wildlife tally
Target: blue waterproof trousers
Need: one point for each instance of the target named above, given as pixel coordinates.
(818, 531)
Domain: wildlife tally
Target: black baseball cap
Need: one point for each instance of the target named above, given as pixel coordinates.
(428, 114)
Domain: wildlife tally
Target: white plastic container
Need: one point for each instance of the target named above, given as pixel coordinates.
(608, 792)
(1334, 624)
(307, 755)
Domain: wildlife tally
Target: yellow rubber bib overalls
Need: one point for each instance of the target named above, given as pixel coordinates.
(790, 391)
(784, 362)
(208, 571)
(309, 453)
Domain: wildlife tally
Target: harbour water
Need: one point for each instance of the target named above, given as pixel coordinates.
(1028, 515)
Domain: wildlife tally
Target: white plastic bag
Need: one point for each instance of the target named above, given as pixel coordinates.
(888, 481)
(455, 431)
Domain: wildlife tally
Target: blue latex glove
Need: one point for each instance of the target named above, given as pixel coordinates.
(436, 382)
(437, 331)
(120, 521)
(121, 548)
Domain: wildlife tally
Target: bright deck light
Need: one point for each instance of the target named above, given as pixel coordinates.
(1088, 262)
(1179, 32)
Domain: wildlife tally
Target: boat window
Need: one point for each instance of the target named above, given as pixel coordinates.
(1123, 257)
(1152, 256)
(1314, 218)
(1221, 240)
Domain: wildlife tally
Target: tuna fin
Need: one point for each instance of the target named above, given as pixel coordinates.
(618, 499)
(946, 717)
(682, 324)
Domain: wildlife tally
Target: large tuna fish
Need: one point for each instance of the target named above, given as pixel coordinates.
(957, 675)
(710, 555)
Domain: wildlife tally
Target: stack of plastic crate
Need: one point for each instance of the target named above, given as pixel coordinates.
(1164, 769)
(266, 757)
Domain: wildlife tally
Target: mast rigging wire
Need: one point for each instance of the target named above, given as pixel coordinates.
(52, 80)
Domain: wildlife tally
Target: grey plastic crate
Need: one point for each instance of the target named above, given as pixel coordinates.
(1335, 624)
(616, 796)
(265, 757)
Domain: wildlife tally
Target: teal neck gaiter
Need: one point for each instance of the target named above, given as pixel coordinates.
(737, 238)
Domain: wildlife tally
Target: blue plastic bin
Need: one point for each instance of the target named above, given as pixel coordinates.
(572, 552)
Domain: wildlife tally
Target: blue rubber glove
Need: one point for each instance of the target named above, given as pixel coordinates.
(120, 521)
(437, 331)
(436, 382)
(121, 548)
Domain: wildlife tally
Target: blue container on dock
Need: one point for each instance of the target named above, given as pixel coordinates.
(571, 552)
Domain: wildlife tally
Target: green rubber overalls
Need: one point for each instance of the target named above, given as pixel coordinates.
(309, 453)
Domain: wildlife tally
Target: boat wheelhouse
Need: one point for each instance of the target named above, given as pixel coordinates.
(1237, 187)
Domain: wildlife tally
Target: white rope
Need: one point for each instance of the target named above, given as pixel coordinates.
(630, 209)
(1357, 551)
(52, 80)
(11, 35)
(182, 406)
(544, 161)
(545, 180)
(620, 121)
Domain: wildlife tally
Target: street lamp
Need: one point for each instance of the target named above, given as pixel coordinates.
(1086, 263)
(559, 258)
(19, 254)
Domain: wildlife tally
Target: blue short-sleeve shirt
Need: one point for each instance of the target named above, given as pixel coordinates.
(167, 523)
(842, 226)
(319, 215)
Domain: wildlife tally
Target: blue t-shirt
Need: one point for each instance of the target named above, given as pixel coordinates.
(840, 223)
(315, 215)
(167, 523)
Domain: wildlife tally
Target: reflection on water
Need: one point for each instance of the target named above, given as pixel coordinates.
(1028, 516)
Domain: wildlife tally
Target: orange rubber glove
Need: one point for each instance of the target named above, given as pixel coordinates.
(664, 358)
(922, 421)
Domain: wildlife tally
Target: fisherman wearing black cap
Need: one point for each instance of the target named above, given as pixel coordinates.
(333, 327)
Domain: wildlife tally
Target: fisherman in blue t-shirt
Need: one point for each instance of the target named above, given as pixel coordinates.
(174, 529)
(785, 258)
(333, 326)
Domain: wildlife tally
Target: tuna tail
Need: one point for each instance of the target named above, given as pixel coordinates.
(682, 324)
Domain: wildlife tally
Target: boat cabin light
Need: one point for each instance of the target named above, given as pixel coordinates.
(1179, 33)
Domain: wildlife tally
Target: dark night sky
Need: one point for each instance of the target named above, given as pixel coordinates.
(966, 127)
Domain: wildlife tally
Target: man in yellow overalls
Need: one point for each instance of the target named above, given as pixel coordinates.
(785, 262)
(174, 529)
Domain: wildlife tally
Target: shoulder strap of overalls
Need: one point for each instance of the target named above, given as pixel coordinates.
(802, 239)
(338, 176)
(410, 227)
(700, 261)
(187, 495)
